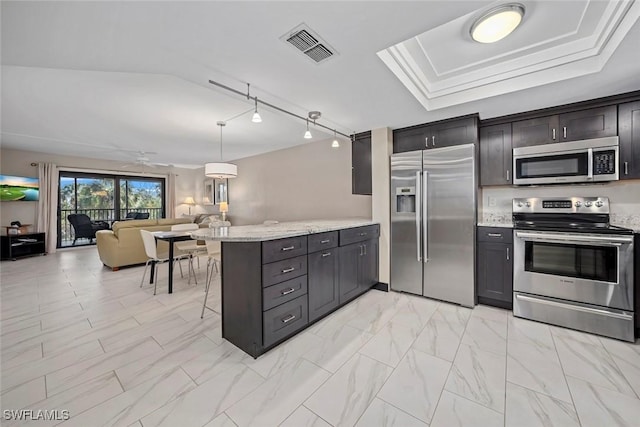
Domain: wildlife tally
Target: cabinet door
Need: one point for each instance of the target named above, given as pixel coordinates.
(543, 130)
(495, 272)
(629, 128)
(410, 139)
(369, 265)
(361, 165)
(454, 132)
(323, 289)
(350, 271)
(586, 124)
(496, 156)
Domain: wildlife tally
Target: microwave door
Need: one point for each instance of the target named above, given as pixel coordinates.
(554, 168)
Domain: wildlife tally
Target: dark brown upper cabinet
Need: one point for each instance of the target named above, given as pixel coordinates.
(582, 124)
(629, 133)
(361, 164)
(496, 155)
(458, 131)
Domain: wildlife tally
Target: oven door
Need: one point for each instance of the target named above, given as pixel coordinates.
(590, 268)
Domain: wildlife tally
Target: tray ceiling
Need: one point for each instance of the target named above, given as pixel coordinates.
(556, 41)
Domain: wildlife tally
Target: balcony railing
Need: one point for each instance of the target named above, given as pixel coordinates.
(107, 215)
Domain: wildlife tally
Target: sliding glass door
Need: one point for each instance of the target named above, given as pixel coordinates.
(106, 198)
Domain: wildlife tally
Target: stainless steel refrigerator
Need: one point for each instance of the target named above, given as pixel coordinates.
(433, 219)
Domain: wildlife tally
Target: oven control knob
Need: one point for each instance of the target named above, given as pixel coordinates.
(578, 204)
(587, 204)
(519, 204)
(599, 203)
(528, 204)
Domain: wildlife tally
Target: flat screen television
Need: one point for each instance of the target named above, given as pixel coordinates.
(18, 188)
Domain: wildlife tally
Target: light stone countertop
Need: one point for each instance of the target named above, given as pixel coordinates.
(262, 232)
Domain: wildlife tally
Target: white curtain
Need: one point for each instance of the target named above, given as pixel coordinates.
(47, 215)
(171, 195)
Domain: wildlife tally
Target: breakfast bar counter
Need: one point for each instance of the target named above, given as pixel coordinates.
(277, 279)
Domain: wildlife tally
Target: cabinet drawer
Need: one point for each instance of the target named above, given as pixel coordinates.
(359, 234)
(275, 250)
(320, 241)
(284, 320)
(495, 234)
(278, 294)
(281, 271)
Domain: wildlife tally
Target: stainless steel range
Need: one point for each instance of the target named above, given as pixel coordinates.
(572, 268)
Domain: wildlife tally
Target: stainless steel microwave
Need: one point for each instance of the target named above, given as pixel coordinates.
(589, 160)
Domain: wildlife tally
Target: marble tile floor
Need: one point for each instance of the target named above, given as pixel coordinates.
(79, 337)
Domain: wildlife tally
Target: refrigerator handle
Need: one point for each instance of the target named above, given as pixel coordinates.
(418, 201)
(425, 214)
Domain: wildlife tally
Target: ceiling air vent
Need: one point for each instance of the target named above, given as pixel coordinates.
(309, 43)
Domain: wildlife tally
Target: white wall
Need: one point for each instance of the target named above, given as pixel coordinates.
(381, 149)
(17, 162)
(309, 181)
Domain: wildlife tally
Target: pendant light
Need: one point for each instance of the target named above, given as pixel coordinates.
(221, 170)
(307, 134)
(497, 23)
(256, 116)
(335, 143)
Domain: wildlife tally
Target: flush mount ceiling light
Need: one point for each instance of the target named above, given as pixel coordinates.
(497, 23)
(221, 170)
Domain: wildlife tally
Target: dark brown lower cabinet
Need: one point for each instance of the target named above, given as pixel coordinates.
(324, 285)
(272, 290)
(358, 269)
(494, 269)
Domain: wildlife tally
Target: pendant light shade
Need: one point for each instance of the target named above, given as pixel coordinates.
(497, 23)
(256, 116)
(335, 143)
(307, 134)
(221, 170)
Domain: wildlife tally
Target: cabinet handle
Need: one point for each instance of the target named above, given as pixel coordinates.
(626, 168)
(507, 254)
(564, 132)
(361, 250)
(553, 134)
(507, 174)
(326, 254)
(365, 249)
(289, 318)
(494, 234)
(288, 248)
(288, 291)
(325, 241)
(363, 234)
(426, 142)
(433, 140)
(288, 270)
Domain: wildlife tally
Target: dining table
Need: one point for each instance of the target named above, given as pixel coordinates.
(171, 237)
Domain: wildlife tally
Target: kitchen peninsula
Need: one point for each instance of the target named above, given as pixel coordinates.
(277, 279)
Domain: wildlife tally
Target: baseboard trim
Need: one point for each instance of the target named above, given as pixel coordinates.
(384, 287)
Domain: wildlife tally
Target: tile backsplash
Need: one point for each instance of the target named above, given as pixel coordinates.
(624, 197)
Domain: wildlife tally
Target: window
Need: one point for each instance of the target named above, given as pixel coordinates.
(106, 198)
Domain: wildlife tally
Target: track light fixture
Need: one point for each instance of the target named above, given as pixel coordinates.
(313, 115)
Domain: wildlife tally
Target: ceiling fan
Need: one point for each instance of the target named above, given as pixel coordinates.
(142, 159)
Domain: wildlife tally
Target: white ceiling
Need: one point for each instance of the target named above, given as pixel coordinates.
(94, 78)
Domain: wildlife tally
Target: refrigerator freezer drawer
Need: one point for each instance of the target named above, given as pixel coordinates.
(583, 317)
